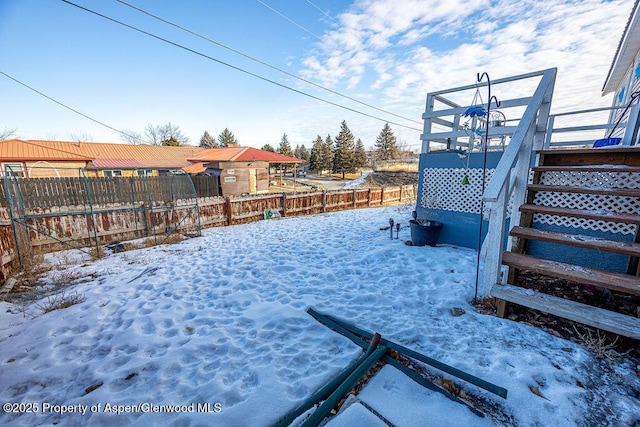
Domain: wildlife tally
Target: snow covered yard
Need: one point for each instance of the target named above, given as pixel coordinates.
(219, 322)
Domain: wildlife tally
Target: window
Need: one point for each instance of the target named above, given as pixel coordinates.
(111, 173)
(13, 169)
(144, 172)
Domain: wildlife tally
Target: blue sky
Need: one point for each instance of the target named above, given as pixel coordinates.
(387, 53)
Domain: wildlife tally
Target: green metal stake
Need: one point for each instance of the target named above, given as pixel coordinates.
(321, 394)
(335, 397)
(493, 388)
(10, 205)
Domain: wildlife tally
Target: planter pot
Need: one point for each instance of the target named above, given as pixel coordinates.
(425, 233)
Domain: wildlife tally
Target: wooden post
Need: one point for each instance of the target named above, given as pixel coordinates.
(369, 198)
(229, 212)
(284, 204)
(324, 201)
(354, 197)
(382, 197)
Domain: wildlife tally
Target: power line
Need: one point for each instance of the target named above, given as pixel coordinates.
(323, 12)
(288, 19)
(262, 62)
(237, 68)
(69, 108)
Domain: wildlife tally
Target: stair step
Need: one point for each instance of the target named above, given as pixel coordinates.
(576, 273)
(588, 168)
(600, 215)
(593, 316)
(578, 240)
(629, 156)
(622, 192)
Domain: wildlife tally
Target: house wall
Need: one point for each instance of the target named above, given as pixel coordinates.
(44, 169)
(622, 96)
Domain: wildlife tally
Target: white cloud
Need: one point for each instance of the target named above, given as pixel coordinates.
(400, 51)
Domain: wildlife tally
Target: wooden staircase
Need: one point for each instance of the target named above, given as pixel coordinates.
(590, 203)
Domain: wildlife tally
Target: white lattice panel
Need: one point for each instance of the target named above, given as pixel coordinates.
(591, 179)
(589, 201)
(443, 189)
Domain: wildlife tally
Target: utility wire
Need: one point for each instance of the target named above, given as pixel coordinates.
(262, 62)
(288, 19)
(323, 12)
(69, 108)
(236, 68)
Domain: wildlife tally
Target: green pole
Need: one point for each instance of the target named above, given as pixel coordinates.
(13, 222)
(335, 397)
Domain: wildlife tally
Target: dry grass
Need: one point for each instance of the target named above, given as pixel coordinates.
(598, 344)
(33, 268)
(60, 301)
(397, 167)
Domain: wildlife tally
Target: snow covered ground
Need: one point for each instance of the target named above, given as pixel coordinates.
(219, 322)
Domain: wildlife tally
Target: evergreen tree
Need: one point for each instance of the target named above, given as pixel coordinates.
(304, 153)
(386, 144)
(285, 147)
(344, 151)
(327, 154)
(172, 141)
(226, 139)
(207, 141)
(296, 152)
(317, 152)
(360, 155)
(268, 147)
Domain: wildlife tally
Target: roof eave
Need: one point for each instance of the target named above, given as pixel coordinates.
(625, 53)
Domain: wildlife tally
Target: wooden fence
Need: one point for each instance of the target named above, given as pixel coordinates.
(109, 222)
(49, 192)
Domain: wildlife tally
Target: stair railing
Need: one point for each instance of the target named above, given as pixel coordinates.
(510, 179)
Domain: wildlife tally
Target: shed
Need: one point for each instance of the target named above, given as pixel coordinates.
(240, 177)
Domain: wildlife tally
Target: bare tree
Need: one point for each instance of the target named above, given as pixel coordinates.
(131, 137)
(166, 134)
(405, 153)
(80, 136)
(7, 133)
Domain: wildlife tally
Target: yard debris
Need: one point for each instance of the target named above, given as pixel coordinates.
(92, 388)
(148, 270)
(536, 391)
(8, 285)
(457, 311)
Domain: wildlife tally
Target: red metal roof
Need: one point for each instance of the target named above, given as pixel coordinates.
(195, 168)
(18, 150)
(102, 155)
(242, 154)
(128, 156)
(217, 154)
(250, 154)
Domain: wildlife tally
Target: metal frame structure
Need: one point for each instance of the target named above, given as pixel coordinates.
(175, 190)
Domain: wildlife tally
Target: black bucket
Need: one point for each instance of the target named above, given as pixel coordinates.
(425, 233)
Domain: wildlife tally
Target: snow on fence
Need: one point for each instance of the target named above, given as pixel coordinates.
(111, 222)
